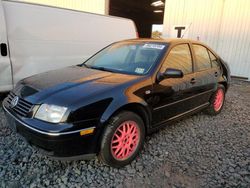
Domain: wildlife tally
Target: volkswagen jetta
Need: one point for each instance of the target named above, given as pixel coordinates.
(107, 105)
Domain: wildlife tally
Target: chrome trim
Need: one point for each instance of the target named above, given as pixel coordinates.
(43, 132)
(157, 108)
(184, 113)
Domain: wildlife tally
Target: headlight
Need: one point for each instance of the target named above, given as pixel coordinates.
(51, 113)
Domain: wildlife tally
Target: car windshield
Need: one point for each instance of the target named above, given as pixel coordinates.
(127, 57)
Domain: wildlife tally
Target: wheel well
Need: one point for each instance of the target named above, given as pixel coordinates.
(225, 85)
(139, 110)
(226, 75)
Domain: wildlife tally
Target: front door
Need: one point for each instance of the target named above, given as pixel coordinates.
(5, 66)
(174, 96)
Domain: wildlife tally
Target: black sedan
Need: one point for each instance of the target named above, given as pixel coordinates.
(107, 105)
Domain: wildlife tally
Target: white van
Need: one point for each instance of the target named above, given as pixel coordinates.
(37, 38)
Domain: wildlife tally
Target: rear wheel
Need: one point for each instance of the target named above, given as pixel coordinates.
(122, 139)
(216, 101)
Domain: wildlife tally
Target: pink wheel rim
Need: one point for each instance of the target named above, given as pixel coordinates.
(125, 140)
(219, 98)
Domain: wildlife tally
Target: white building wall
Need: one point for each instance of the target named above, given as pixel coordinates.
(222, 24)
(94, 6)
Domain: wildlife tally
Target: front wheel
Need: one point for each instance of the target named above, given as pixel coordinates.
(122, 140)
(217, 101)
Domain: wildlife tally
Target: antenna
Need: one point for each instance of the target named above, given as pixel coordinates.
(186, 30)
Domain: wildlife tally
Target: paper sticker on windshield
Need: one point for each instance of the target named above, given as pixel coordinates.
(139, 70)
(154, 46)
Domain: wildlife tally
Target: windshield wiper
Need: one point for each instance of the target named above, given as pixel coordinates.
(84, 65)
(102, 68)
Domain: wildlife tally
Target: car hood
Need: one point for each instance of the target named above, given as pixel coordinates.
(73, 75)
(72, 82)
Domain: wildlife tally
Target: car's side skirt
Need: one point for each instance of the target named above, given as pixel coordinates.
(182, 100)
(179, 116)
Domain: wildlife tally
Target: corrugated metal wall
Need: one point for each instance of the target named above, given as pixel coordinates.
(223, 24)
(94, 6)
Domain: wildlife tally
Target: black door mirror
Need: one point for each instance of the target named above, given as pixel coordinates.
(173, 73)
(170, 73)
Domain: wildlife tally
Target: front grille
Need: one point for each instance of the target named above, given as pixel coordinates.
(22, 107)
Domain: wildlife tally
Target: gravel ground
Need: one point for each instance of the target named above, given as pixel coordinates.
(200, 151)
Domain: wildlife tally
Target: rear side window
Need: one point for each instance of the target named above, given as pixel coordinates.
(202, 57)
(214, 60)
(179, 58)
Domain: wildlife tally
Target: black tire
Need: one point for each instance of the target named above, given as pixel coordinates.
(212, 110)
(106, 154)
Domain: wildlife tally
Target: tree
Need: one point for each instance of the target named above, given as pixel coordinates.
(156, 35)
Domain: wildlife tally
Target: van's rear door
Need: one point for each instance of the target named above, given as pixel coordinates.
(5, 66)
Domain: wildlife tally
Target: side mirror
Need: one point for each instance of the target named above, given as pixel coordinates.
(173, 73)
(170, 73)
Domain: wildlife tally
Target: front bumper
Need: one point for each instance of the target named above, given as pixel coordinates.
(68, 144)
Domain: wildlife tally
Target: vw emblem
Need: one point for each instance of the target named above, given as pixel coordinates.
(14, 101)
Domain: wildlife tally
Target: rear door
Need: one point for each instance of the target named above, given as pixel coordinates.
(173, 97)
(5, 66)
(206, 75)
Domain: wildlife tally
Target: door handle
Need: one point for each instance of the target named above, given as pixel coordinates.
(216, 74)
(3, 48)
(193, 81)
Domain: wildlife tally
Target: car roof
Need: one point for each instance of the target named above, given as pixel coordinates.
(166, 40)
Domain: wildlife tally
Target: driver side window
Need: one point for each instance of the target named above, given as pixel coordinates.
(179, 58)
